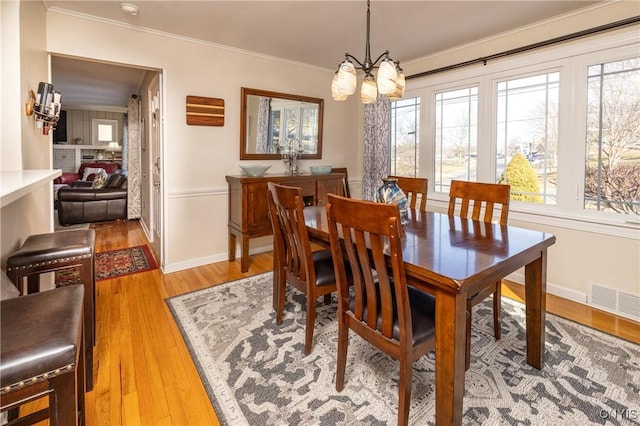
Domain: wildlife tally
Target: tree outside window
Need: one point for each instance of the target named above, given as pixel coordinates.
(612, 166)
(527, 129)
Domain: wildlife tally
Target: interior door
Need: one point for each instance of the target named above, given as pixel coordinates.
(155, 139)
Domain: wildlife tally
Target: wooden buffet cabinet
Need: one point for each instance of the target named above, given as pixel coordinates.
(249, 211)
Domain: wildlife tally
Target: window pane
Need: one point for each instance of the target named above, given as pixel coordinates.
(612, 169)
(456, 136)
(105, 133)
(404, 154)
(527, 137)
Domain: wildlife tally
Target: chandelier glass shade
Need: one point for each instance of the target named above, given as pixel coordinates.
(390, 80)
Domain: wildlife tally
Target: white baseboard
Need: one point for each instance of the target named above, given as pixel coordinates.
(220, 257)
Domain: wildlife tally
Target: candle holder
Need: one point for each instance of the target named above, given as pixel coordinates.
(291, 156)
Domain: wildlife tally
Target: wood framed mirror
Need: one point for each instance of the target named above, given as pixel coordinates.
(271, 121)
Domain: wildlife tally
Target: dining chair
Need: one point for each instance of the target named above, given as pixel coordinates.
(345, 181)
(415, 189)
(480, 201)
(311, 272)
(397, 319)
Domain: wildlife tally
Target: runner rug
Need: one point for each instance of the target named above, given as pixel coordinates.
(113, 264)
(256, 373)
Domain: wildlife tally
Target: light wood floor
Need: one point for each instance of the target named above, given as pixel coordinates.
(144, 373)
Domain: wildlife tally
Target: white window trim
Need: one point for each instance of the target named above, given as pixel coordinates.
(569, 212)
(95, 122)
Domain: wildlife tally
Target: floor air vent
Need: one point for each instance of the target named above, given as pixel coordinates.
(614, 301)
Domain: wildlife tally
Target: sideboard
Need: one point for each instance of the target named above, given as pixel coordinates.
(249, 211)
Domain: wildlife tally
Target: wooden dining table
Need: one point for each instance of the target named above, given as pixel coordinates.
(452, 258)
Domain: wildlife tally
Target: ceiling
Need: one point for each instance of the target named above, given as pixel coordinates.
(312, 32)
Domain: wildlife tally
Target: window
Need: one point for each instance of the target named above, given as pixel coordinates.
(404, 131)
(456, 137)
(103, 131)
(527, 136)
(612, 166)
(561, 125)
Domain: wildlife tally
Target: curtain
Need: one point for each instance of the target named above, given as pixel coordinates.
(376, 146)
(263, 126)
(133, 158)
(125, 141)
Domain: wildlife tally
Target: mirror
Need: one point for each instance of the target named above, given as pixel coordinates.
(272, 122)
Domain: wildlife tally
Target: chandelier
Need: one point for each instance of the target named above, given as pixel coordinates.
(390, 80)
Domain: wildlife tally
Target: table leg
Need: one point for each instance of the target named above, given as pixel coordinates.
(450, 356)
(535, 299)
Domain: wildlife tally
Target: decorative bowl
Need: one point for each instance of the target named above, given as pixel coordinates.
(255, 170)
(320, 170)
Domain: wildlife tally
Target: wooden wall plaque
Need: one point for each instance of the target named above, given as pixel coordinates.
(205, 111)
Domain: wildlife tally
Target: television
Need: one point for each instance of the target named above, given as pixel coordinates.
(60, 131)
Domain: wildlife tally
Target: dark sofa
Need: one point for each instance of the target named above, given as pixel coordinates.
(79, 203)
(68, 178)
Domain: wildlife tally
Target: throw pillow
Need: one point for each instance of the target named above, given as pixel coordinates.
(100, 180)
(90, 171)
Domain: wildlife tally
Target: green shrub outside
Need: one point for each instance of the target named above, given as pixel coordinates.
(523, 180)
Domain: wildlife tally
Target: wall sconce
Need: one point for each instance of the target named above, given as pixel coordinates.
(46, 107)
(113, 147)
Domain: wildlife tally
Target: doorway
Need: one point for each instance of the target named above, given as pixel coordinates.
(92, 85)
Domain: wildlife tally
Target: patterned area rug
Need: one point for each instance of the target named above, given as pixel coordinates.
(256, 373)
(116, 263)
(113, 264)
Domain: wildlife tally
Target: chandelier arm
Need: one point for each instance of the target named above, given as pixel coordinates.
(375, 63)
(361, 65)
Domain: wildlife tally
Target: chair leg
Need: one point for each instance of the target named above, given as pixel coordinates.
(497, 308)
(88, 278)
(404, 387)
(327, 299)
(81, 385)
(276, 284)
(33, 283)
(282, 295)
(311, 323)
(63, 401)
(467, 359)
(343, 343)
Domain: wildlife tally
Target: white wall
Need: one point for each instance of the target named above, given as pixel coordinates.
(579, 257)
(197, 158)
(24, 65)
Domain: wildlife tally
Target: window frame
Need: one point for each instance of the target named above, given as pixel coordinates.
(95, 125)
(571, 60)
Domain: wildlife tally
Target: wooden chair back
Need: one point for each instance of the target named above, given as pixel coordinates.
(310, 272)
(479, 201)
(395, 318)
(415, 189)
(367, 230)
(345, 181)
(291, 240)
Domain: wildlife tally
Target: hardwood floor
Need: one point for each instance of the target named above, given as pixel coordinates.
(144, 373)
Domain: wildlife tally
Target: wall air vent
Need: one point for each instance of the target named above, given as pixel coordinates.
(617, 302)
